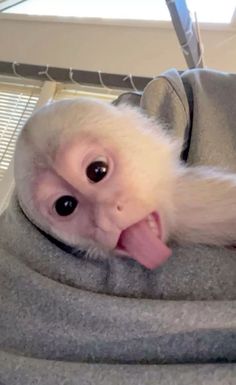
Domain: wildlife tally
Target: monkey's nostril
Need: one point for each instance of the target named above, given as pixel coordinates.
(119, 208)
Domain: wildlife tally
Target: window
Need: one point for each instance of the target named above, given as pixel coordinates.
(17, 103)
(207, 10)
(65, 92)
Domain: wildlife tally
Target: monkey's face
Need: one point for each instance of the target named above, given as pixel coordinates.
(107, 190)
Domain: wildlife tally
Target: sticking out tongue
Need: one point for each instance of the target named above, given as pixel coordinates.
(140, 242)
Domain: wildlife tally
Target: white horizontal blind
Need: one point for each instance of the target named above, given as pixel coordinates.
(17, 103)
(65, 92)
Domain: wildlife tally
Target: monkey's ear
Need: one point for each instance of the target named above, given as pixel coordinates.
(128, 98)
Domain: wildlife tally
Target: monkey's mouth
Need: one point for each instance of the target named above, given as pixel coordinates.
(142, 242)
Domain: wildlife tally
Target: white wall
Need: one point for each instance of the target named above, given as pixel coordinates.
(122, 48)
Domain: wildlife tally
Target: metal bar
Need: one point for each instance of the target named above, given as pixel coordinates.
(6, 4)
(79, 76)
(186, 33)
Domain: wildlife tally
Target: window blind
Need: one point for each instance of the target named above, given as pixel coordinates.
(17, 103)
(87, 92)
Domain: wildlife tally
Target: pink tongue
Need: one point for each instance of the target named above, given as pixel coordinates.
(143, 245)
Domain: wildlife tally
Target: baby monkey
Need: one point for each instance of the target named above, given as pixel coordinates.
(107, 178)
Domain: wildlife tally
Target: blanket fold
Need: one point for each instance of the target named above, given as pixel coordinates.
(21, 370)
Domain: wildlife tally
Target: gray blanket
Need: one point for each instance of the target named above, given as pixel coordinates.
(72, 320)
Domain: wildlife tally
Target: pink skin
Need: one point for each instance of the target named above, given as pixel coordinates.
(104, 209)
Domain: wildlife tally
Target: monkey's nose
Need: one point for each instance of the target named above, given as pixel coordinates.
(119, 207)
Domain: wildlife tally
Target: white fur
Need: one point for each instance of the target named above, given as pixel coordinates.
(205, 207)
(196, 204)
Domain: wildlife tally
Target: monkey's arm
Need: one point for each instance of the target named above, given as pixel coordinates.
(205, 207)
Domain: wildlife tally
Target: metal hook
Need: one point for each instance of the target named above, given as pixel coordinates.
(14, 64)
(45, 72)
(102, 82)
(71, 76)
(201, 56)
(130, 77)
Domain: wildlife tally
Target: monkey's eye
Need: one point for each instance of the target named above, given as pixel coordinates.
(96, 171)
(65, 205)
